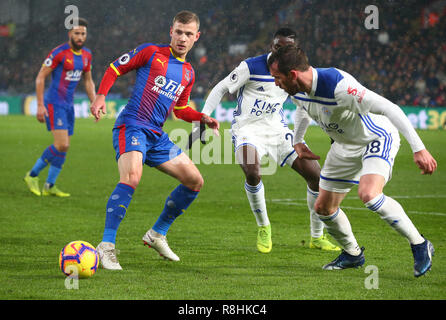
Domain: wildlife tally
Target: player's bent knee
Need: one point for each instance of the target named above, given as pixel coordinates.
(132, 179)
(193, 181)
(252, 174)
(199, 182)
(133, 183)
(323, 209)
(253, 178)
(367, 195)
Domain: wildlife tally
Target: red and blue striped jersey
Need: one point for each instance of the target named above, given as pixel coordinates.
(163, 82)
(68, 67)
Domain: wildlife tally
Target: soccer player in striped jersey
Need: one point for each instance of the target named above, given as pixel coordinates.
(259, 129)
(364, 127)
(164, 82)
(67, 64)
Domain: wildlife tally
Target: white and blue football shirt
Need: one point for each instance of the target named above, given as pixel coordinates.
(350, 113)
(259, 100)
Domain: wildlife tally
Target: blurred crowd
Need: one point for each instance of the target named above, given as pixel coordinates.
(402, 60)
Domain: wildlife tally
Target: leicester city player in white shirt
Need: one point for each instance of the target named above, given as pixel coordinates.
(364, 127)
(259, 129)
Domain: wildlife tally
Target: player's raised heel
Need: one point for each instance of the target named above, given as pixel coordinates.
(422, 255)
(264, 243)
(346, 261)
(323, 243)
(107, 256)
(157, 241)
(32, 184)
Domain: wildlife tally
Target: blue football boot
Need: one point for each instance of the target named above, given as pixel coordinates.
(422, 255)
(345, 261)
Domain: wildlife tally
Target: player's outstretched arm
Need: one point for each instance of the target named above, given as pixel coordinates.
(213, 99)
(98, 107)
(190, 115)
(370, 101)
(424, 160)
(236, 79)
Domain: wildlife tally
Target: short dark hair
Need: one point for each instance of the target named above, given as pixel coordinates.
(289, 58)
(81, 22)
(186, 17)
(287, 33)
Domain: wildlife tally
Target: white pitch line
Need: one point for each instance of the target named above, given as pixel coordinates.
(288, 203)
(427, 196)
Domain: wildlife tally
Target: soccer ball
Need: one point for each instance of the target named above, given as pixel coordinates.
(78, 258)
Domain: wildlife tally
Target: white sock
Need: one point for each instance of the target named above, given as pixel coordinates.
(256, 198)
(316, 225)
(392, 212)
(339, 228)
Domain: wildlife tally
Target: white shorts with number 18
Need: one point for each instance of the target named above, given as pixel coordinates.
(345, 164)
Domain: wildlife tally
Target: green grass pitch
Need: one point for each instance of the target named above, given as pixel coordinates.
(215, 238)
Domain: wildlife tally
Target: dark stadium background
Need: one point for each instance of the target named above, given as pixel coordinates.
(404, 60)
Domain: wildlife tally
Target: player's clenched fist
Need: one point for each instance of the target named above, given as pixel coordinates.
(98, 106)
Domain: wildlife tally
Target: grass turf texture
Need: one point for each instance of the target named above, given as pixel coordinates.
(215, 238)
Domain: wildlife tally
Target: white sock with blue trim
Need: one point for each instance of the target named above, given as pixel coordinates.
(316, 225)
(339, 228)
(256, 198)
(392, 212)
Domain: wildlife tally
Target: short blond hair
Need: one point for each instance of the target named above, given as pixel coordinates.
(186, 17)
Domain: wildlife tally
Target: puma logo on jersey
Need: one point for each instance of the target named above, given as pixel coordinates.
(162, 62)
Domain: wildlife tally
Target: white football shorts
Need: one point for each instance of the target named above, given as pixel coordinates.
(345, 164)
(278, 145)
